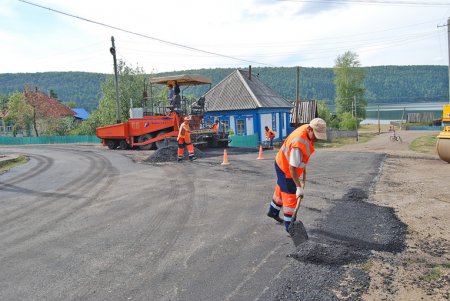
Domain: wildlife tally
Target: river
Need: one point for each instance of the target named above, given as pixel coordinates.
(395, 112)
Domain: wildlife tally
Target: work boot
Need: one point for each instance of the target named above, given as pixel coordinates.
(192, 158)
(179, 160)
(275, 217)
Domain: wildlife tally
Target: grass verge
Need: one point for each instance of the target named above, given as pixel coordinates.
(424, 144)
(434, 274)
(338, 142)
(12, 163)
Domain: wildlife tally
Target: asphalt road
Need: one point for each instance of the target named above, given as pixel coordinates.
(87, 223)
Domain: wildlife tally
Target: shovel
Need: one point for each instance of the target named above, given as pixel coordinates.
(296, 228)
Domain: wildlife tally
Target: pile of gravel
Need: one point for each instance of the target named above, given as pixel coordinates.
(170, 154)
(326, 254)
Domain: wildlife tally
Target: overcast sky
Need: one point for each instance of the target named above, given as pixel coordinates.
(228, 33)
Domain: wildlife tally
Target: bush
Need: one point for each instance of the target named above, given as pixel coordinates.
(347, 121)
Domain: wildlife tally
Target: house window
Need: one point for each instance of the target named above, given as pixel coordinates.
(240, 127)
(225, 125)
(274, 122)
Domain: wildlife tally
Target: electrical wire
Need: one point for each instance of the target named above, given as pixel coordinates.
(376, 2)
(145, 36)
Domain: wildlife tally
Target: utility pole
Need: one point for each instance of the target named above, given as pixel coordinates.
(356, 117)
(113, 52)
(379, 128)
(297, 100)
(448, 50)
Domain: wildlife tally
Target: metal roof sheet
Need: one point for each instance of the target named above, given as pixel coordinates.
(81, 113)
(240, 92)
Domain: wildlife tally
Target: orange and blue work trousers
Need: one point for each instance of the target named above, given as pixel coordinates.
(181, 144)
(284, 196)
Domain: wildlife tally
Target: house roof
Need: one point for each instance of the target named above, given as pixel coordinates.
(238, 92)
(81, 113)
(47, 106)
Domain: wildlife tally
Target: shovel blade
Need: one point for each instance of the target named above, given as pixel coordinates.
(298, 232)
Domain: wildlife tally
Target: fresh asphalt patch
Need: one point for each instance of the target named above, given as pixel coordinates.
(170, 153)
(329, 266)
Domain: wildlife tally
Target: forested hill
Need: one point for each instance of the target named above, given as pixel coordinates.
(81, 87)
(384, 84)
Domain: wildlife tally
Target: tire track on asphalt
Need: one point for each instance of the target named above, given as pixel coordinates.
(50, 197)
(102, 168)
(43, 164)
(184, 180)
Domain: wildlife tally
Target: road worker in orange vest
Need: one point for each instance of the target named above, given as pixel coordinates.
(215, 126)
(270, 135)
(290, 164)
(184, 139)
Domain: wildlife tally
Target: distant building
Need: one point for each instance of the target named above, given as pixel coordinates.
(244, 104)
(80, 114)
(47, 106)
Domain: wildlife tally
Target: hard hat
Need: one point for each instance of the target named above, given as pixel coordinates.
(187, 118)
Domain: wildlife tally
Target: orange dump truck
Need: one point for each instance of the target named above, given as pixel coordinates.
(158, 130)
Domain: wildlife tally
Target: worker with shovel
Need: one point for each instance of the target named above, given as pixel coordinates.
(290, 164)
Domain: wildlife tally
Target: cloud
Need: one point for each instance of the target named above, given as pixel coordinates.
(310, 8)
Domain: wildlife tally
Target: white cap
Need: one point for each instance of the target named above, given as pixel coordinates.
(187, 118)
(319, 127)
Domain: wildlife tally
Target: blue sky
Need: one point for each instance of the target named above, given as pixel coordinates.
(256, 32)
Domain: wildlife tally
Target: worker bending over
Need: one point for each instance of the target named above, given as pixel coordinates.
(290, 164)
(215, 126)
(184, 139)
(270, 135)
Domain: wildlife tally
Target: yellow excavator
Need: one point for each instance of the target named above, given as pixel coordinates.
(443, 139)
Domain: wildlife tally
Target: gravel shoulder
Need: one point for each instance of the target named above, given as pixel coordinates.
(416, 186)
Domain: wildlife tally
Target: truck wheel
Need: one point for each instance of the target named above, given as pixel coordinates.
(162, 143)
(112, 144)
(214, 141)
(123, 144)
(144, 138)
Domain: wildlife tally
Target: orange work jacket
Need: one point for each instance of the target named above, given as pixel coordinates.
(270, 134)
(297, 139)
(184, 134)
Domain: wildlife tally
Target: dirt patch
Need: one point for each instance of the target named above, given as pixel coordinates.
(416, 187)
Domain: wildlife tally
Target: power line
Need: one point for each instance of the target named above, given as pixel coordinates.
(376, 2)
(144, 36)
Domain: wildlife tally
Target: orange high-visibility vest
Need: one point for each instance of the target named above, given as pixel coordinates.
(184, 134)
(270, 134)
(298, 139)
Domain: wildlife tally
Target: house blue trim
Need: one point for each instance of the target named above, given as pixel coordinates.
(254, 121)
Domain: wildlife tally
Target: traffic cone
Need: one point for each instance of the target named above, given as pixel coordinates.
(260, 157)
(225, 158)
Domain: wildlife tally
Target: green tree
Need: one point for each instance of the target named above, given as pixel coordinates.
(347, 121)
(71, 104)
(52, 93)
(57, 126)
(349, 82)
(131, 86)
(20, 113)
(3, 109)
(323, 111)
